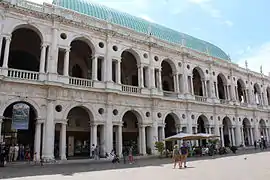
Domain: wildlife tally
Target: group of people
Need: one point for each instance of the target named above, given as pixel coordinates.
(179, 155)
(261, 143)
(15, 152)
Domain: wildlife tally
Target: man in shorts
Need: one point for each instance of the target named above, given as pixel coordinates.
(184, 154)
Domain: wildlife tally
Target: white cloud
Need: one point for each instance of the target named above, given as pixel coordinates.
(256, 57)
(207, 6)
(228, 23)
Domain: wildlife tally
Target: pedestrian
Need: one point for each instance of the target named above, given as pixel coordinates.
(16, 152)
(125, 154)
(184, 154)
(130, 155)
(176, 156)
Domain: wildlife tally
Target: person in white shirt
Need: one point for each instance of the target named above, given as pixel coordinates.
(16, 152)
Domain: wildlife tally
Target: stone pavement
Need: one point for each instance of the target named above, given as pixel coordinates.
(247, 167)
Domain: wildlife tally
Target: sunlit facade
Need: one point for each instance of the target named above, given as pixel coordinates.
(89, 80)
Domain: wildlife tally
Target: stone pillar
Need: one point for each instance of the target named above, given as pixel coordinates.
(159, 80)
(140, 76)
(120, 140)
(109, 129)
(152, 77)
(93, 136)
(252, 136)
(205, 88)
(6, 54)
(118, 72)
(42, 58)
(238, 135)
(94, 68)
(217, 90)
(52, 61)
(142, 140)
(63, 136)
(222, 136)
(1, 41)
(37, 139)
(233, 136)
(66, 62)
(1, 122)
(191, 85)
(243, 137)
(154, 137)
(49, 132)
(230, 135)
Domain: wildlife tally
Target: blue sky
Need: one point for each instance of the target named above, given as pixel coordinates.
(239, 27)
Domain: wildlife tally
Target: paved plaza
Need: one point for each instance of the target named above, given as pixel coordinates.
(248, 167)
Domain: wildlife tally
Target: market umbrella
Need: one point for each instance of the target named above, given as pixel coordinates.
(205, 136)
(181, 136)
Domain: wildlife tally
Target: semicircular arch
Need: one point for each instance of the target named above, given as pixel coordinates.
(30, 102)
(136, 112)
(223, 78)
(133, 52)
(175, 116)
(241, 82)
(171, 63)
(32, 27)
(87, 108)
(84, 39)
(200, 71)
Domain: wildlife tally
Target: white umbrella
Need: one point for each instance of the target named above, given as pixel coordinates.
(206, 136)
(181, 136)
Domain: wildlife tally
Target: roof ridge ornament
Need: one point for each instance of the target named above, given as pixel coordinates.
(261, 70)
(246, 64)
(149, 30)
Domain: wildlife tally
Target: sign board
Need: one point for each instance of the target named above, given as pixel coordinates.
(20, 116)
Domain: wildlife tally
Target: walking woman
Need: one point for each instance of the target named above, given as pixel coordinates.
(184, 154)
(176, 156)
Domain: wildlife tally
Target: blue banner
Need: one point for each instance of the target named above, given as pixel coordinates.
(20, 116)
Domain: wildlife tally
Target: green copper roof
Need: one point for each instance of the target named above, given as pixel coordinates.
(141, 25)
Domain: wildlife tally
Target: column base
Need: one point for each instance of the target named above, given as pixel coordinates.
(48, 159)
(63, 158)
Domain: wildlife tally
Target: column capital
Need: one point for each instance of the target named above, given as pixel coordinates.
(7, 37)
(44, 44)
(67, 49)
(162, 125)
(118, 123)
(142, 125)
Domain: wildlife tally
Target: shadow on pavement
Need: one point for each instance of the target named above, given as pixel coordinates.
(71, 169)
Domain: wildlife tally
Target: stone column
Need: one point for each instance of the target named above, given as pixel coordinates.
(217, 90)
(6, 54)
(94, 68)
(191, 85)
(118, 72)
(140, 75)
(154, 137)
(37, 139)
(93, 135)
(251, 135)
(222, 136)
(242, 136)
(233, 136)
(63, 136)
(1, 122)
(267, 133)
(152, 78)
(120, 140)
(49, 132)
(142, 140)
(230, 135)
(1, 41)
(238, 135)
(205, 89)
(159, 80)
(42, 58)
(66, 62)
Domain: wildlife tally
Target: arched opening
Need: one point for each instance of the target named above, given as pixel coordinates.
(226, 132)
(262, 128)
(257, 94)
(25, 49)
(268, 95)
(167, 76)
(246, 127)
(80, 63)
(129, 70)
(78, 138)
(241, 91)
(130, 131)
(197, 82)
(221, 80)
(18, 127)
(170, 130)
(202, 122)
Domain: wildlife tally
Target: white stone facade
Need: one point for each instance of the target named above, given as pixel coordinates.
(107, 100)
